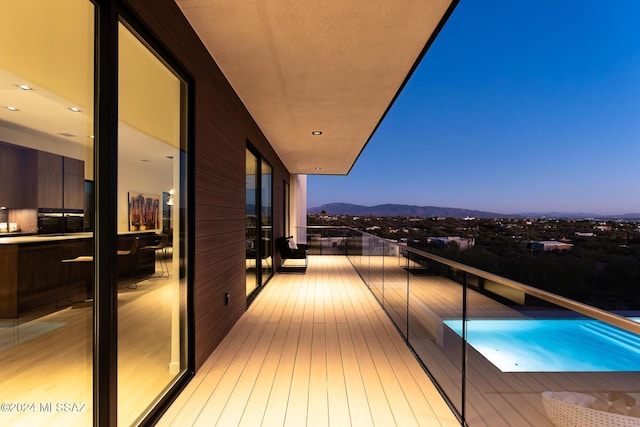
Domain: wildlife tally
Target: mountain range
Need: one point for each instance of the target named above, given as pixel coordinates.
(444, 212)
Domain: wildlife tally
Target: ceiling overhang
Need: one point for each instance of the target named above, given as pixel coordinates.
(333, 66)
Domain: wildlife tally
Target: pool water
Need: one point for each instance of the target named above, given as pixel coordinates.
(552, 345)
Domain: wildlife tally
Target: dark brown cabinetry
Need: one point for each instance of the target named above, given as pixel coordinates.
(49, 179)
(34, 276)
(13, 174)
(73, 183)
(35, 179)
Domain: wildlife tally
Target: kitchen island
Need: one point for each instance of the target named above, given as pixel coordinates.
(32, 274)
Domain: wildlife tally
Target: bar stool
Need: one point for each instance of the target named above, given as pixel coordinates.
(131, 251)
(161, 253)
(77, 261)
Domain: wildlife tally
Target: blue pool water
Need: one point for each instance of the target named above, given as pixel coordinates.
(552, 345)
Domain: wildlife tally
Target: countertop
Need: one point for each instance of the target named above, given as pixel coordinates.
(8, 239)
(42, 238)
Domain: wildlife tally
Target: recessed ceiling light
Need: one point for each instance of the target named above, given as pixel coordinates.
(10, 108)
(75, 109)
(318, 169)
(24, 87)
(92, 137)
(316, 132)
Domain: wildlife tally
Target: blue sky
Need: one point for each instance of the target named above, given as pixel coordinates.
(518, 106)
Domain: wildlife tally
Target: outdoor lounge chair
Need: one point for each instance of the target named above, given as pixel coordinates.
(288, 252)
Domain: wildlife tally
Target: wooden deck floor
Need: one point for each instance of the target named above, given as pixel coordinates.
(313, 349)
(317, 349)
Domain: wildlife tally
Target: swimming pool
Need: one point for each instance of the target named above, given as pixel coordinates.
(552, 345)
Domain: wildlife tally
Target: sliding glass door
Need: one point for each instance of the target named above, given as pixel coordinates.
(258, 222)
(266, 222)
(151, 285)
(252, 235)
(84, 328)
(46, 258)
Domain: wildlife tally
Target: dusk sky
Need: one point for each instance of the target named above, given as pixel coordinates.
(518, 106)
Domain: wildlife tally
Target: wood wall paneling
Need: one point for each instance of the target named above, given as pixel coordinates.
(222, 128)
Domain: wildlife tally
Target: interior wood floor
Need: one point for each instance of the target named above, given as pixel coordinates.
(313, 349)
(55, 367)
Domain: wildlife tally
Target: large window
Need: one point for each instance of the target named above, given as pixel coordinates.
(266, 221)
(252, 238)
(259, 224)
(151, 227)
(62, 314)
(46, 247)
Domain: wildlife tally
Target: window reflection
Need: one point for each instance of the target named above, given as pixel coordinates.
(46, 161)
(151, 228)
(251, 222)
(267, 223)
(259, 241)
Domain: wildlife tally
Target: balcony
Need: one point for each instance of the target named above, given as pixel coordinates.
(388, 335)
(312, 349)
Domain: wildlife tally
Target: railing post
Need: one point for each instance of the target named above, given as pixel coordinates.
(463, 388)
(408, 296)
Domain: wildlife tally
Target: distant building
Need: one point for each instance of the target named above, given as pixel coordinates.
(462, 242)
(585, 234)
(549, 245)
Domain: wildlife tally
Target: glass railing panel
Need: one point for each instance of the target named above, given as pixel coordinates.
(530, 357)
(332, 241)
(376, 267)
(435, 298)
(354, 249)
(314, 240)
(323, 240)
(358, 249)
(365, 259)
(395, 285)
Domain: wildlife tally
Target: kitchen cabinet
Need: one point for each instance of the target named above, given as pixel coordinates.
(12, 176)
(53, 181)
(73, 183)
(35, 179)
(49, 190)
(35, 278)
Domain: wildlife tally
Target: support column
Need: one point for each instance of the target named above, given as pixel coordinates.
(298, 207)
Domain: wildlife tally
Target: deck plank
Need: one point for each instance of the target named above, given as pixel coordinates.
(312, 349)
(337, 359)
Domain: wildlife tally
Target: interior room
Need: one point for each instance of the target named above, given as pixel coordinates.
(47, 238)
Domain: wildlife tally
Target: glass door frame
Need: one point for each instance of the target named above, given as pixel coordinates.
(105, 363)
(261, 281)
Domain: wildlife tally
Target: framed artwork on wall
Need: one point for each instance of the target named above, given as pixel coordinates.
(144, 212)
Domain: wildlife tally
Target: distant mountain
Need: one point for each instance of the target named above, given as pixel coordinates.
(402, 210)
(434, 211)
(580, 215)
